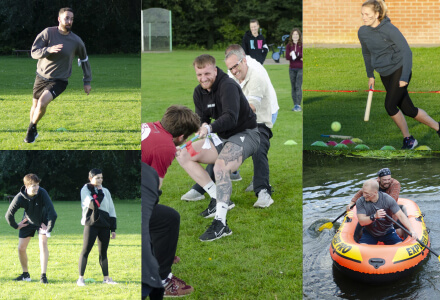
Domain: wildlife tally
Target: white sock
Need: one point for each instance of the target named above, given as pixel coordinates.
(220, 214)
(211, 189)
(165, 281)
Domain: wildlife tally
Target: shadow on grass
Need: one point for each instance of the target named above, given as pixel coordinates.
(311, 100)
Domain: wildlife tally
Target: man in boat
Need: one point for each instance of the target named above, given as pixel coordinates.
(372, 208)
(387, 185)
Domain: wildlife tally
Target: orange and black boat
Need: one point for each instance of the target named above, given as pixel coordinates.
(379, 263)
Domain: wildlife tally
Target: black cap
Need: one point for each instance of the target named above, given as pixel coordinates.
(384, 172)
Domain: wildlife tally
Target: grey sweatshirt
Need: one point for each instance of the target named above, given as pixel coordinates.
(59, 65)
(385, 50)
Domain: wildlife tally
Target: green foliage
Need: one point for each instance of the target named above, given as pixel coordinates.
(109, 26)
(212, 22)
(262, 258)
(65, 244)
(64, 173)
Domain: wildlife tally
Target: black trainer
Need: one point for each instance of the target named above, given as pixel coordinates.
(215, 231)
(31, 135)
(409, 143)
(23, 277)
(43, 278)
(212, 208)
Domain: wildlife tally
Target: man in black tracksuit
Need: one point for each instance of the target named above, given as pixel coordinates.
(39, 215)
(225, 114)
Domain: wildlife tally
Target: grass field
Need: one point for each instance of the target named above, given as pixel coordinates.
(344, 69)
(106, 119)
(65, 246)
(262, 258)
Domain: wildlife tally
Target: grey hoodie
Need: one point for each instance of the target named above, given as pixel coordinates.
(38, 209)
(385, 50)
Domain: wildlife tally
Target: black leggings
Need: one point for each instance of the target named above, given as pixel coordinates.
(90, 234)
(398, 97)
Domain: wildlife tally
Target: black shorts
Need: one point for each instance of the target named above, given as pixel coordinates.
(55, 87)
(28, 231)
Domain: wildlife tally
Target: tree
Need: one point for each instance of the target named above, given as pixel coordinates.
(221, 22)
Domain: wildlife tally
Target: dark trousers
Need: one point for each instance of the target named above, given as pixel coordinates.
(261, 162)
(164, 232)
(90, 235)
(296, 79)
(398, 97)
(150, 197)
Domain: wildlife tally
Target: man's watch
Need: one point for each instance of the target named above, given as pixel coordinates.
(372, 218)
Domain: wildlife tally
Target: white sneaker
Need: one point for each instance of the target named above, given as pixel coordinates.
(193, 195)
(109, 281)
(264, 199)
(250, 187)
(80, 282)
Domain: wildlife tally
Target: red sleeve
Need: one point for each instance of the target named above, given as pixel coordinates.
(158, 157)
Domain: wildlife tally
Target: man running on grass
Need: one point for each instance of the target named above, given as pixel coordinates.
(55, 47)
(219, 98)
(39, 215)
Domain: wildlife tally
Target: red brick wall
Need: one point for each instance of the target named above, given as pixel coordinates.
(337, 21)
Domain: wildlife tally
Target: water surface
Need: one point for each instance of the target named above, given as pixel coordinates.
(329, 183)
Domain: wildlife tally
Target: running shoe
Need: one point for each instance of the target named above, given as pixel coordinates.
(31, 135)
(109, 281)
(264, 199)
(250, 187)
(212, 208)
(215, 231)
(193, 195)
(43, 278)
(409, 143)
(80, 282)
(23, 277)
(176, 287)
(235, 176)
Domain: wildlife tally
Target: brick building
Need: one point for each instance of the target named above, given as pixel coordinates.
(338, 21)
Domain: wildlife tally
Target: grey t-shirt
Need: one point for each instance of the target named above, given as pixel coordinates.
(58, 66)
(380, 226)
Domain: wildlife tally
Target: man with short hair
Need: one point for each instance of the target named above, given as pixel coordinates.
(160, 223)
(254, 43)
(387, 185)
(234, 137)
(372, 209)
(55, 48)
(256, 89)
(39, 215)
(196, 192)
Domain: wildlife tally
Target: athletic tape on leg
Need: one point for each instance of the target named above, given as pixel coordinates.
(190, 149)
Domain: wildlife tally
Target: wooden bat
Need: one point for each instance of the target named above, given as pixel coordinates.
(367, 109)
